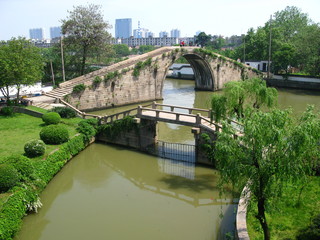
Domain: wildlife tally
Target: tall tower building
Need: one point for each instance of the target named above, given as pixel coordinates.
(55, 32)
(36, 33)
(175, 33)
(123, 28)
(163, 34)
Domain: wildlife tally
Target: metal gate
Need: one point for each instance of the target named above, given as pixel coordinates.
(174, 151)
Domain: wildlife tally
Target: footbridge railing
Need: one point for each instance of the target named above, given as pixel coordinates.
(172, 114)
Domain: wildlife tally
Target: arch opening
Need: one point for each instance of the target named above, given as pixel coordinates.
(202, 72)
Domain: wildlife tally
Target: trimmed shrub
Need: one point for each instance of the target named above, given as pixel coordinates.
(9, 177)
(51, 118)
(65, 112)
(34, 148)
(7, 111)
(21, 163)
(54, 134)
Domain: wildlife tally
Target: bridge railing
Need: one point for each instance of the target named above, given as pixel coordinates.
(117, 116)
(172, 108)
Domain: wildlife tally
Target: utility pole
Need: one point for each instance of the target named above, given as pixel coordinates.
(270, 34)
(52, 74)
(62, 59)
(244, 49)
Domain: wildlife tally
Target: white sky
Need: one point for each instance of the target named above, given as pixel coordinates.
(216, 17)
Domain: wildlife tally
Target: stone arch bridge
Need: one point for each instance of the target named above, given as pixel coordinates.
(141, 78)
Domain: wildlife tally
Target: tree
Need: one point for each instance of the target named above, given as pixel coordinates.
(239, 95)
(290, 22)
(20, 63)
(87, 31)
(121, 50)
(284, 57)
(307, 43)
(271, 151)
(203, 39)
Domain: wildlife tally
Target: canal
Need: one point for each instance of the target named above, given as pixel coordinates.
(109, 192)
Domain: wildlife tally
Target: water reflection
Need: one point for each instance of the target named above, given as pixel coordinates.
(129, 190)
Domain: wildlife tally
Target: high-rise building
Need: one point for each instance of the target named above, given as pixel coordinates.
(175, 33)
(163, 34)
(36, 33)
(55, 32)
(123, 28)
(141, 33)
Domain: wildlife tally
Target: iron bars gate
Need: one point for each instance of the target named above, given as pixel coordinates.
(174, 151)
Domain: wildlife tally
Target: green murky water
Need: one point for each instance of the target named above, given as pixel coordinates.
(108, 192)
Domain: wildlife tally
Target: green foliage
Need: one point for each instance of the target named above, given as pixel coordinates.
(88, 129)
(12, 213)
(271, 151)
(20, 63)
(34, 148)
(113, 130)
(96, 81)
(51, 118)
(140, 66)
(111, 75)
(7, 111)
(79, 88)
(203, 39)
(21, 163)
(65, 112)
(312, 232)
(86, 30)
(54, 134)
(121, 50)
(9, 177)
(239, 95)
(208, 147)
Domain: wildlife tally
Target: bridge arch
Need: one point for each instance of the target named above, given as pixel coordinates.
(204, 78)
(141, 78)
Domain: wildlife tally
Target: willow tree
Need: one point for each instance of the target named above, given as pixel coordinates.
(238, 95)
(87, 31)
(272, 151)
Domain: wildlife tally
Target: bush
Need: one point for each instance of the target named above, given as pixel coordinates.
(54, 134)
(87, 130)
(65, 112)
(7, 111)
(34, 148)
(79, 88)
(9, 177)
(312, 232)
(21, 163)
(51, 118)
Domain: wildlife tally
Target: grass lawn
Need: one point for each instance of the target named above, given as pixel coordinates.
(15, 131)
(289, 215)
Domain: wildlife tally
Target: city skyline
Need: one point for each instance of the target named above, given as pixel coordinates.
(224, 18)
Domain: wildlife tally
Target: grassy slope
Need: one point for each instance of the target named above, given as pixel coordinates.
(17, 130)
(288, 217)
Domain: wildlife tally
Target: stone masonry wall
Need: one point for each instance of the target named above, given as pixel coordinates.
(126, 88)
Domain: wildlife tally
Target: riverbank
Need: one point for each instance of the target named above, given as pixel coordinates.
(24, 197)
(295, 82)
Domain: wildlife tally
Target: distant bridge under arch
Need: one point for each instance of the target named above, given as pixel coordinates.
(141, 78)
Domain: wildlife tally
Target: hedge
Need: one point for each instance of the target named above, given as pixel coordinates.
(15, 207)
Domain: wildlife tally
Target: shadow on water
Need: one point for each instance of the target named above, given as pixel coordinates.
(200, 184)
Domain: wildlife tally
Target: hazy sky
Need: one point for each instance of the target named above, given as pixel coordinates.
(221, 17)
